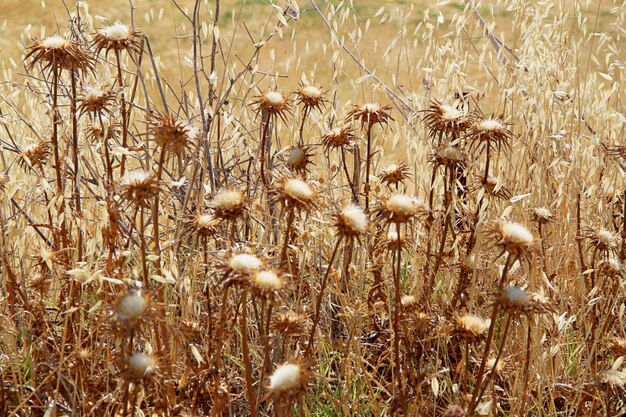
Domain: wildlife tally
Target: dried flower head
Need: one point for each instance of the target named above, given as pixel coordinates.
(602, 239)
(514, 298)
(299, 158)
(338, 138)
(273, 103)
(471, 328)
(611, 267)
(370, 114)
(496, 189)
(494, 367)
(351, 221)
(118, 37)
(449, 156)
(617, 346)
(454, 410)
(132, 306)
(95, 99)
(290, 323)
(34, 155)
(613, 378)
(106, 129)
(399, 208)
(266, 282)
(443, 119)
(294, 193)
(543, 215)
(310, 96)
(141, 365)
(394, 174)
(241, 266)
(289, 381)
(389, 239)
(205, 224)
(58, 52)
(512, 237)
(139, 187)
(228, 204)
(169, 133)
(489, 132)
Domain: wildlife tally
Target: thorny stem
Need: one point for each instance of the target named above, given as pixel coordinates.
(485, 383)
(526, 368)
(155, 213)
(353, 190)
(265, 122)
(283, 252)
(123, 110)
(492, 326)
(444, 234)
(396, 321)
(318, 302)
(431, 219)
(142, 239)
(246, 355)
(75, 156)
(55, 146)
(367, 165)
(305, 114)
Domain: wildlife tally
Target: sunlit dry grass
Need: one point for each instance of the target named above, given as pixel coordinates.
(313, 208)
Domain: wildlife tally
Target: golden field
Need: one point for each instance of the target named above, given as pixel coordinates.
(312, 208)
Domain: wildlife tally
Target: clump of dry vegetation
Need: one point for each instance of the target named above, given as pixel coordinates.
(438, 229)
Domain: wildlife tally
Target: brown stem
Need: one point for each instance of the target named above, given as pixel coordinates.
(123, 110)
(306, 113)
(265, 123)
(75, 157)
(396, 321)
(142, 249)
(246, 355)
(367, 165)
(318, 302)
(485, 383)
(283, 253)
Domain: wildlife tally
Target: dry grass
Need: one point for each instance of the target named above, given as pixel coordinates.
(203, 219)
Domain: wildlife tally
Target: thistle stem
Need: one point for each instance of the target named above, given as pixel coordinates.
(318, 302)
(246, 355)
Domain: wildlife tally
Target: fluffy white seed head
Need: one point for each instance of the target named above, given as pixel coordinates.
(55, 42)
(132, 306)
(244, 262)
(141, 364)
(286, 377)
(451, 153)
(606, 237)
(402, 204)
(117, 31)
(490, 125)
(296, 156)
(274, 98)
(516, 297)
(228, 200)
(267, 280)
(311, 91)
(205, 220)
(516, 234)
(298, 189)
(135, 177)
(450, 112)
(473, 324)
(371, 107)
(354, 217)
